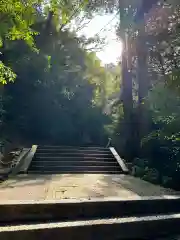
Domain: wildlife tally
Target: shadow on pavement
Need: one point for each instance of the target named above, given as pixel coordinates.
(25, 180)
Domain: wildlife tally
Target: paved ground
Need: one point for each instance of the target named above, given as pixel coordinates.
(78, 186)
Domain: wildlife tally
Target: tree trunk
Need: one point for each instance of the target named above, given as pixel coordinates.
(143, 83)
(126, 88)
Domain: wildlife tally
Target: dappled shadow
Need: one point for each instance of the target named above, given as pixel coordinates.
(80, 186)
(106, 187)
(89, 186)
(139, 187)
(84, 186)
(25, 180)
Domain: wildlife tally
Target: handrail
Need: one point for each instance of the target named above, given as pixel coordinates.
(26, 164)
(109, 142)
(119, 160)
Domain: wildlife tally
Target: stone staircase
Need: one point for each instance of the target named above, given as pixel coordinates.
(91, 220)
(102, 219)
(60, 159)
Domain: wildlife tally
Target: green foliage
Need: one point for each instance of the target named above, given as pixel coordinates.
(6, 74)
(58, 86)
(17, 19)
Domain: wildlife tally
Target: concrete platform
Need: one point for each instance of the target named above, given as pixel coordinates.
(79, 186)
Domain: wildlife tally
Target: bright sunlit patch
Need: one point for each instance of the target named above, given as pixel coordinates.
(104, 26)
(111, 53)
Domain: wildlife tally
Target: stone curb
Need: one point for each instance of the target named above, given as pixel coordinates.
(62, 210)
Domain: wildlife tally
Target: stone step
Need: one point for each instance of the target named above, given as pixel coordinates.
(74, 168)
(74, 154)
(72, 158)
(148, 227)
(70, 150)
(71, 210)
(62, 171)
(75, 163)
